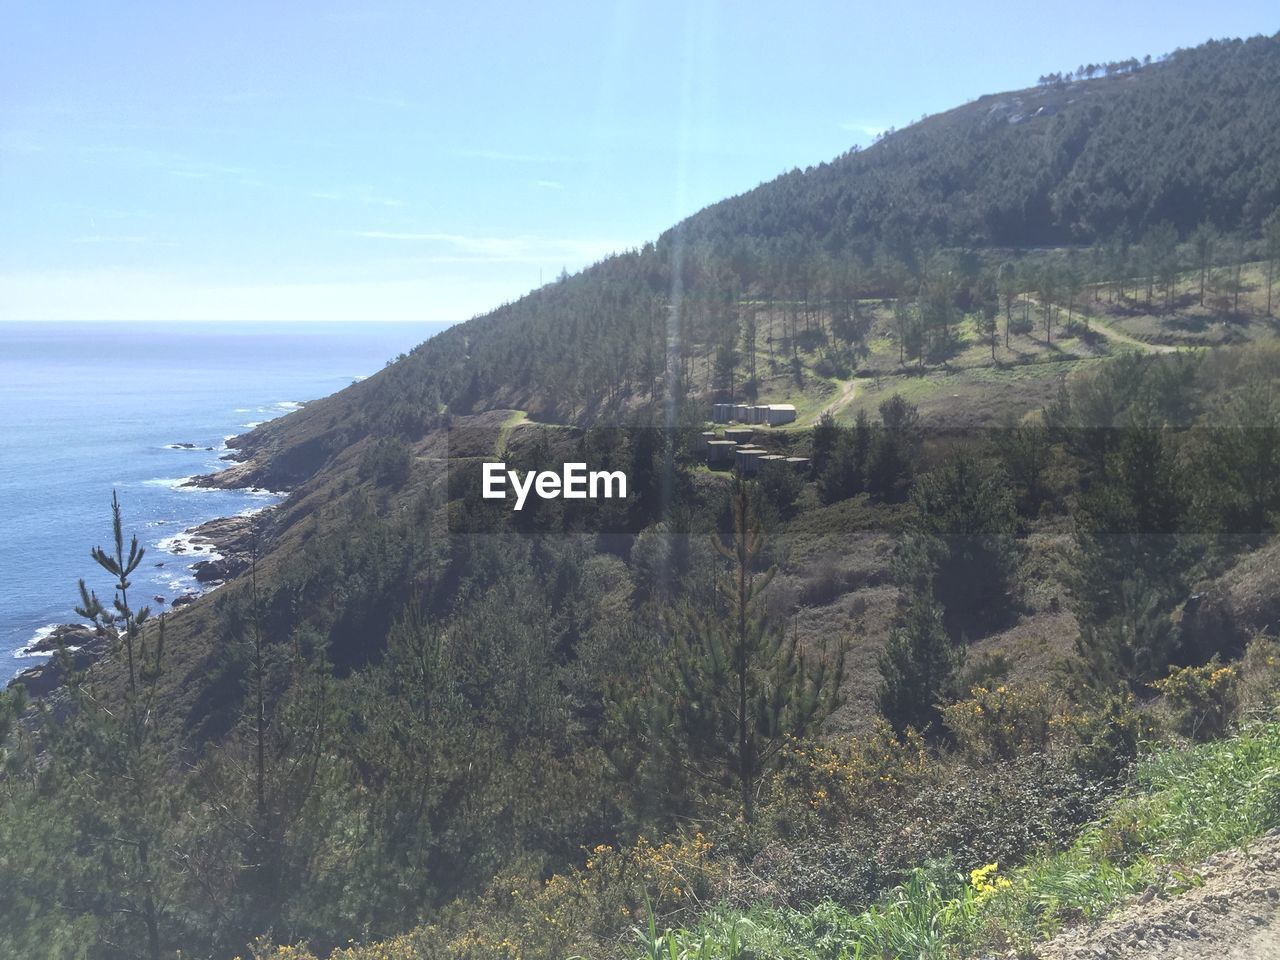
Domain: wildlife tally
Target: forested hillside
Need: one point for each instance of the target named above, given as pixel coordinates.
(1106, 164)
(899, 692)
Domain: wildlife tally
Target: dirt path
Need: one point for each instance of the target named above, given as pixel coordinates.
(848, 389)
(1111, 333)
(516, 419)
(1233, 915)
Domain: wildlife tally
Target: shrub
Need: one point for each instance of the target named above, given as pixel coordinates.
(1259, 686)
(1106, 737)
(1000, 723)
(1202, 700)
(388, 462)
(780, 485)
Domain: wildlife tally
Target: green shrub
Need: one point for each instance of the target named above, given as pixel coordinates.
(1202, 700)
(388, 462)
(1000, 723)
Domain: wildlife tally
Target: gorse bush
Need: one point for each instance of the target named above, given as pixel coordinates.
(1183, 806)
(1000, 723)
(1202, 700)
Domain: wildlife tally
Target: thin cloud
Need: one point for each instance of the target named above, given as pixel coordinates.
(866, 129)
(174, 164)
(526, 248)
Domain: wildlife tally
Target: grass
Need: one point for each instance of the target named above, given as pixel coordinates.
(1183, 806)
(960, 388)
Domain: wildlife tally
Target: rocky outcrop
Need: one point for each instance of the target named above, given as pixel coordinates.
(220, 570)
(75, 648)
(63, 635)
(230, 540)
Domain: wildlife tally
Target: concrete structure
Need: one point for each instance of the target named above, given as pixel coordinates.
(800, 463)
(739, 434)
(777, 414)
(747, 459)
(742, 413)
(722, 412)
(720, 451)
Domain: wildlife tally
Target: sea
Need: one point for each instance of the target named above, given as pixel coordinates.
(88, 409)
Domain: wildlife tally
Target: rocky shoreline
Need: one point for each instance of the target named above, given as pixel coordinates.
(224, 548)
(225, 545)
(82, 647)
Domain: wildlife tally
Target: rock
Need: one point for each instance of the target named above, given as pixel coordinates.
(207, 571)
(183, 600)
(182, 446)
(42, 680)
(63, 635)
(158, 599)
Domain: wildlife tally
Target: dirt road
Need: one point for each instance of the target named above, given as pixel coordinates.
(1233, 915)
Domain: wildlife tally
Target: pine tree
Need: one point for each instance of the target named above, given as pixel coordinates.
(1130, 564)
(1271, 245)
(114, 764)
(1134, 645)
(735, 686)
(825, 436)
(918, 667)
(1203, 241)
(964, 525)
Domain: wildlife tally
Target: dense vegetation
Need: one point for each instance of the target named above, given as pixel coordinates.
(1120, 167)
(801, 695)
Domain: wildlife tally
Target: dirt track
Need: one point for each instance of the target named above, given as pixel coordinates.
(1233, 915)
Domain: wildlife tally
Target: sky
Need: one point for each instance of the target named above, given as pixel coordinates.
(306, 160)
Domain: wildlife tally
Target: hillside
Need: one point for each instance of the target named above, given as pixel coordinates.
(1192, 138)
(1024, 554)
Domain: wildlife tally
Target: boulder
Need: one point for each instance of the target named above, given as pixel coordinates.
(42, 680)
(207, 571)
(63, 635)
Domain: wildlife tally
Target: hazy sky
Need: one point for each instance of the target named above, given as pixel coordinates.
(410, 160)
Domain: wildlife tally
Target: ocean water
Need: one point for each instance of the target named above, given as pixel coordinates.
(86, 409)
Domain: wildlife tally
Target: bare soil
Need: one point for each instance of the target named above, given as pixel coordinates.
(1233, 914)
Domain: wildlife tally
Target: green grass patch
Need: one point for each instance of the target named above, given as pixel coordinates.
(1183, 806)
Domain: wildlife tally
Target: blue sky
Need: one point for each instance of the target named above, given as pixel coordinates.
(415, 161)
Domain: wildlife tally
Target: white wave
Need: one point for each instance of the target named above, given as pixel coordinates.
(43, 633)
(173, 483)
(289, 405)
(262, 493)
(188, 544)
(254, 423)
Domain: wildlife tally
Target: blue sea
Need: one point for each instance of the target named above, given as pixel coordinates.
(86, 409)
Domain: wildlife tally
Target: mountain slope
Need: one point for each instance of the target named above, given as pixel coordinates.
(1194, 137)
